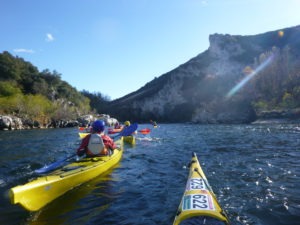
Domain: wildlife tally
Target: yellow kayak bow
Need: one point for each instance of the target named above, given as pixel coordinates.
(199, 204)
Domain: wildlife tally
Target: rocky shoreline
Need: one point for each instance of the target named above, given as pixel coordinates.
(278, 116)
(277, 121)
(11, 122)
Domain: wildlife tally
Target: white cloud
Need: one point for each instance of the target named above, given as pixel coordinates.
(49, 37)
(23, 50)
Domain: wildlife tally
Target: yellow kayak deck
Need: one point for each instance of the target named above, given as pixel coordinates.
(129, 139)
(42, 190)
(199, 202)
(82, 134)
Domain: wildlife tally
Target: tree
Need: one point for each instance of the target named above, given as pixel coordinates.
(8, 89)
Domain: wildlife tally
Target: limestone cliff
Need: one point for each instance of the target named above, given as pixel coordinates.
(196, 90)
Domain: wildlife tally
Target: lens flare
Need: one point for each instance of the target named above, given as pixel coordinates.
(280, 33)
(237, 87)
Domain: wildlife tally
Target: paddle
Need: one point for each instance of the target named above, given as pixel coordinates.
(145, 131)
(81, 128)
(53, 166)
(127, 131)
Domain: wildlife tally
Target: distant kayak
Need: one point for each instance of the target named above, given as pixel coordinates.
(85, 129)
(113, 131)
(82, 135)
(199, 204)
(129, 139)
(145, 131)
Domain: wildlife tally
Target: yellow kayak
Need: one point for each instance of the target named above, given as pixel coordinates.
(39, 192)
(82, 135)
(129, 139)
(199, 204)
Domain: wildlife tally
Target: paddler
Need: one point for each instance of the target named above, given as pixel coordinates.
(127, 124)
(118, 128)
(153, 123)
(96, 143)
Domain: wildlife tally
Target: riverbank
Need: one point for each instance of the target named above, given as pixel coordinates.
(11, 122)
(278, 116)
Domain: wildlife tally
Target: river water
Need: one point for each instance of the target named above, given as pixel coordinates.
(254, 171)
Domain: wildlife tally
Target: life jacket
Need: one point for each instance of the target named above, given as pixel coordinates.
(96, 146)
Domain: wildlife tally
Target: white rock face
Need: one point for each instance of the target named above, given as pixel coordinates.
(223, 48)
(169, 96)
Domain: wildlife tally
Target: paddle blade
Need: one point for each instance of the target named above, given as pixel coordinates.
(81, 128)
(128, 130)
(53, 166)
(48, 168)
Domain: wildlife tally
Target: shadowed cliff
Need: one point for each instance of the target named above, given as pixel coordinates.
(234, 81)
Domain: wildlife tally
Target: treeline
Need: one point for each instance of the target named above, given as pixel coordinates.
(41, 96)
(277, 85)
(98, 101)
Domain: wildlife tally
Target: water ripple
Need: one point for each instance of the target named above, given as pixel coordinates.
(253, 169)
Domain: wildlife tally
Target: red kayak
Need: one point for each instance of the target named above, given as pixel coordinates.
(145, 131)
(112, 131)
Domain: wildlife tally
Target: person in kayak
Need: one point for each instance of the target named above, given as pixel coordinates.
(96, 143)
(153, 123)
(121, 128)
(127, 124)
(118, 126)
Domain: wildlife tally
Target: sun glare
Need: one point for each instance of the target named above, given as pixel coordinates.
(237, 87)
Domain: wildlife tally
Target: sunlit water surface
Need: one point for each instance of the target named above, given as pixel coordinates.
(253, 169)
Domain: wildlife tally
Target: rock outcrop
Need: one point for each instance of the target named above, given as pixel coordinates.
(8, 122)
(196, 91)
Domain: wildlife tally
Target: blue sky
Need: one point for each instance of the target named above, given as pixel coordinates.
(117, 46)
